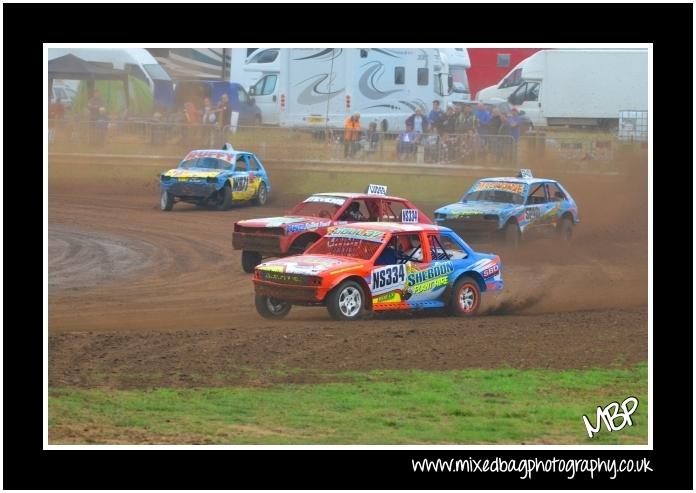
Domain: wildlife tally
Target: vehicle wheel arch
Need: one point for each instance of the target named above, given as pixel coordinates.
(303, 239)
(468, 273)
(354, 277)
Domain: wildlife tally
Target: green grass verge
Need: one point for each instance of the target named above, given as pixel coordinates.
(502, 406)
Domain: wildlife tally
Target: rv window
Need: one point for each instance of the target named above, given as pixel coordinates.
(422, 76)
(399, 75)
(265, 56)
(363, 53)
(503, 60)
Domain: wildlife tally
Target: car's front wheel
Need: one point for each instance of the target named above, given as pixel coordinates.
(346, 301)
(225, 202)
(271, 308)
(262, 195)
(166, 200)
(512, 235)
(466, 297)
(250, 260)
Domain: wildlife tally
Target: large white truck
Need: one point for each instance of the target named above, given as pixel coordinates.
(575, 86)
(305, 87)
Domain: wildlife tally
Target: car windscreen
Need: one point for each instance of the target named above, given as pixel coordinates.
(207, 162)
(319, 206)
(345, 247)
(497, 191)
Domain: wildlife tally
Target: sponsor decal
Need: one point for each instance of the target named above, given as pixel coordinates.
(376, 189)
(323, 198)
(271, 268)
(283, 277)
(357, 234)
(387, 278)
(503, 186)
(409, 215)
(215, 154)
(393, 297)
(490, 271)
(294, 228)
(184, 173)
(436, 271)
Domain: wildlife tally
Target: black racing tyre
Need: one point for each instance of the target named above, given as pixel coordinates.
(262, 195)
(511, 235)
(565, 230)
(271, 308)
(166, 200)
(466, 297)
(250, 260)
(225, 202)
(346, 302)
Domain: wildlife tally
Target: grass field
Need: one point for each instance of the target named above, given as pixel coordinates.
(502, 406)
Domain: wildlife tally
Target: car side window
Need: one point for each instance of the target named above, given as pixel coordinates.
(409, 248)
(537, 195)
(253, 164)
(453, 249)
(555, 193)
(241, 164)
(356, 211)
(242, 95)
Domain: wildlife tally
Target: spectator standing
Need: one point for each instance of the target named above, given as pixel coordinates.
(418, 122)
(57, 111)
(406, 143)
(93, 105)
(493, 129)
(435, 114)
(351, 134)
(224, 111)
(483, 116)
(371, 140)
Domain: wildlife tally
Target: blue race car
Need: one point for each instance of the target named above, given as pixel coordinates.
(510, 208)
(215, 177)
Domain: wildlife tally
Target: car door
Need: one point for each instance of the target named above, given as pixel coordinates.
(240, 179)
(400, 257)
(539, 212)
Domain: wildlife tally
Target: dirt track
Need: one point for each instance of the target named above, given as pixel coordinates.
(138, 297)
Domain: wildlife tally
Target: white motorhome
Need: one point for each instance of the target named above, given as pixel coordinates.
(299, 87)
(576, 86)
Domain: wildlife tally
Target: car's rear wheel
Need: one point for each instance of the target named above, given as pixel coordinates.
(250, 260)
(166, 200)
(271, 308)
(346, 301)
(466, 297)
(262, 195)
(225, 202)
(565, 230)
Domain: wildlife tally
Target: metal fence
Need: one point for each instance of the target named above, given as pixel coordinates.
(316, 144)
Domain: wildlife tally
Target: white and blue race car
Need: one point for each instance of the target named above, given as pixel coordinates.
(511, 208)
(215, 177)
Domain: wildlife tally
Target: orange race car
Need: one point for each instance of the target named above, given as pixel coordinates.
(309, 220)
(379, 266)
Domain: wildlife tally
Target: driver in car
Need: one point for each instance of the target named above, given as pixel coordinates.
(353, 213)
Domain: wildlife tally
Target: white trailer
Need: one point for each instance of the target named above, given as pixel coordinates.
(300, 87)
(576, 87)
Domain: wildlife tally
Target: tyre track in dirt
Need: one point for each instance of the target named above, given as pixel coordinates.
(170, 305)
